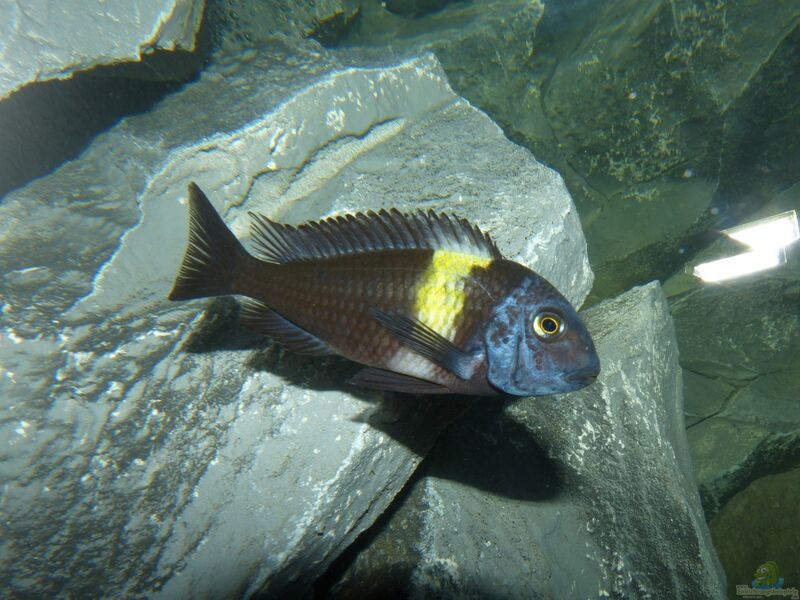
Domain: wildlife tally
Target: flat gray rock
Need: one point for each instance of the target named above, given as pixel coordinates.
(583, 495)
(42, 39)
(151, 452)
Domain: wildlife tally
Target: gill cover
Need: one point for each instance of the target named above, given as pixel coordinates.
(536, 344)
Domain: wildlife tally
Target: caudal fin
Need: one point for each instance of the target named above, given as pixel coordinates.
(210, 264)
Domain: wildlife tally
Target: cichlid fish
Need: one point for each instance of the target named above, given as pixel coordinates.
(424, 300)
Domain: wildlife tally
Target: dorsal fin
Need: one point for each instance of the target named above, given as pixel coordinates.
(368, 232)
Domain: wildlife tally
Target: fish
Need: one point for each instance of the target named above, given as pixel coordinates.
(423, 300)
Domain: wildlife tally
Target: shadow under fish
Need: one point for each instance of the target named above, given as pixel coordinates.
(424, 300)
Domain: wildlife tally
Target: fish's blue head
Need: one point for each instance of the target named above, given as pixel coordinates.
(536, 344)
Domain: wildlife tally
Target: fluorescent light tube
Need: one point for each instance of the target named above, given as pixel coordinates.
(776, 231)
(741, 264)
(767, 237)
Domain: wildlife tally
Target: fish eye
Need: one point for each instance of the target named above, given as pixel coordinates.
(548, 326)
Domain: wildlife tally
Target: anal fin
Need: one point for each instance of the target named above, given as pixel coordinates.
(263, 319)
(381, 379)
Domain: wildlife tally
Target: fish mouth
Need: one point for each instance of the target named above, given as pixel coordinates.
(585, 376)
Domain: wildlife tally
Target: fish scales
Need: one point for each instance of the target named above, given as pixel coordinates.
(331, 296)
(425, 301)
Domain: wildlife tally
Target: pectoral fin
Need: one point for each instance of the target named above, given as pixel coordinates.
(428, 343)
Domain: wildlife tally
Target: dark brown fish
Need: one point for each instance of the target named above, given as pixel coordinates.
(424, 300)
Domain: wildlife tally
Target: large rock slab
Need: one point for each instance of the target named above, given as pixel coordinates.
(41, 40)
(150, 452)
(583, 495)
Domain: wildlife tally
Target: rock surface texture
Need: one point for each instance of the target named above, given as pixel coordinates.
(41, 39)
(150, 452)
(583, 495)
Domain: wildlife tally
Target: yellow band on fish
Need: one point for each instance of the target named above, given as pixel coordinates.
(440, 293)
